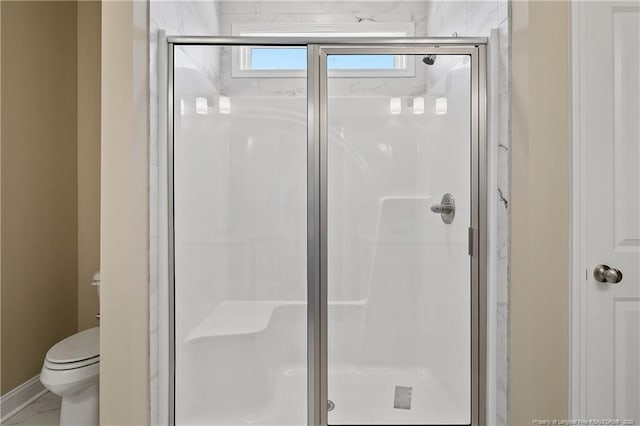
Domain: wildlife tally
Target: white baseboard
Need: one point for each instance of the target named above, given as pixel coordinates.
(18, 398)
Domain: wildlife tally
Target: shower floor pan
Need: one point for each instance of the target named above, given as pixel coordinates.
(362, 396)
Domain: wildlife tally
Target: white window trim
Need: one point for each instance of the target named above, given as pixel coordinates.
(241, 55)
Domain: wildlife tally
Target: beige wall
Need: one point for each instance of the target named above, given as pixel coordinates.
(38, 183)
(50, 178)
(1, 392)
(124, 329)
(539, 298)
(88, 160)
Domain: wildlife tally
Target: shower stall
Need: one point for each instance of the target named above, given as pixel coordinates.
(326, 230)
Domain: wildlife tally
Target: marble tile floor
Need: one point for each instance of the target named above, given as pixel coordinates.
(44, 411)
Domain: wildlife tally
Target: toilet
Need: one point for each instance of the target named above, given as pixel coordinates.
(72, 370)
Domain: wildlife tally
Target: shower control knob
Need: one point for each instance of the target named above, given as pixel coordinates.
(442, 208)
(605, 274)
(446, 208)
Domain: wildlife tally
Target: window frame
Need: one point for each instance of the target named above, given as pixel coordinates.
(241, 56)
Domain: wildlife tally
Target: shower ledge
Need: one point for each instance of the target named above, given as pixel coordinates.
(241, 317)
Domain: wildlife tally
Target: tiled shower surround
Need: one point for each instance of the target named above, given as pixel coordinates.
(432, 18)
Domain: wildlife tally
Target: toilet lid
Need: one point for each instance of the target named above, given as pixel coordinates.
(80, 346)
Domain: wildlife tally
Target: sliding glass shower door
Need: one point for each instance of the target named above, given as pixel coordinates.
(325, 213)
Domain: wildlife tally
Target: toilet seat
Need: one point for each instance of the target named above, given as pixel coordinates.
(77, 351)
(71, 365)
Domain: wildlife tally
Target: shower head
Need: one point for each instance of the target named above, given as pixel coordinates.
(429, 59)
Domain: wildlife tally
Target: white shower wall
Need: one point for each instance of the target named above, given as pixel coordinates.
(254, 159)
(229, 168)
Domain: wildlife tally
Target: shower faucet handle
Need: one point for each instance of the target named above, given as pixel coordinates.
(442, 208)
(446, 208)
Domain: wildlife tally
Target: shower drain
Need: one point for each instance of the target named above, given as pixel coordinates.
(330, 405)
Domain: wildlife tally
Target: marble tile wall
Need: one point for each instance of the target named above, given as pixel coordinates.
(503, 208)
(433, 18)
(364, 13)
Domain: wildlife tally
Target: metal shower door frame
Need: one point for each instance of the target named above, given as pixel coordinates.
(317, 141)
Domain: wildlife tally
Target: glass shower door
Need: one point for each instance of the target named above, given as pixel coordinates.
(326, 265)
(399, 205)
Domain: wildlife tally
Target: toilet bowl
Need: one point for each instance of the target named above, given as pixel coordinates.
(71, 370)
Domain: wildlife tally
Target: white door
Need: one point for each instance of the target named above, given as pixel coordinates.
(607, 124)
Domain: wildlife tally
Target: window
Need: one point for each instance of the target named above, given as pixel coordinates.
(269, 58)
(269, 61)
(293, 58)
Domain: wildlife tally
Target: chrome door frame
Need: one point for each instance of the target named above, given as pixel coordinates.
(317, 125)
